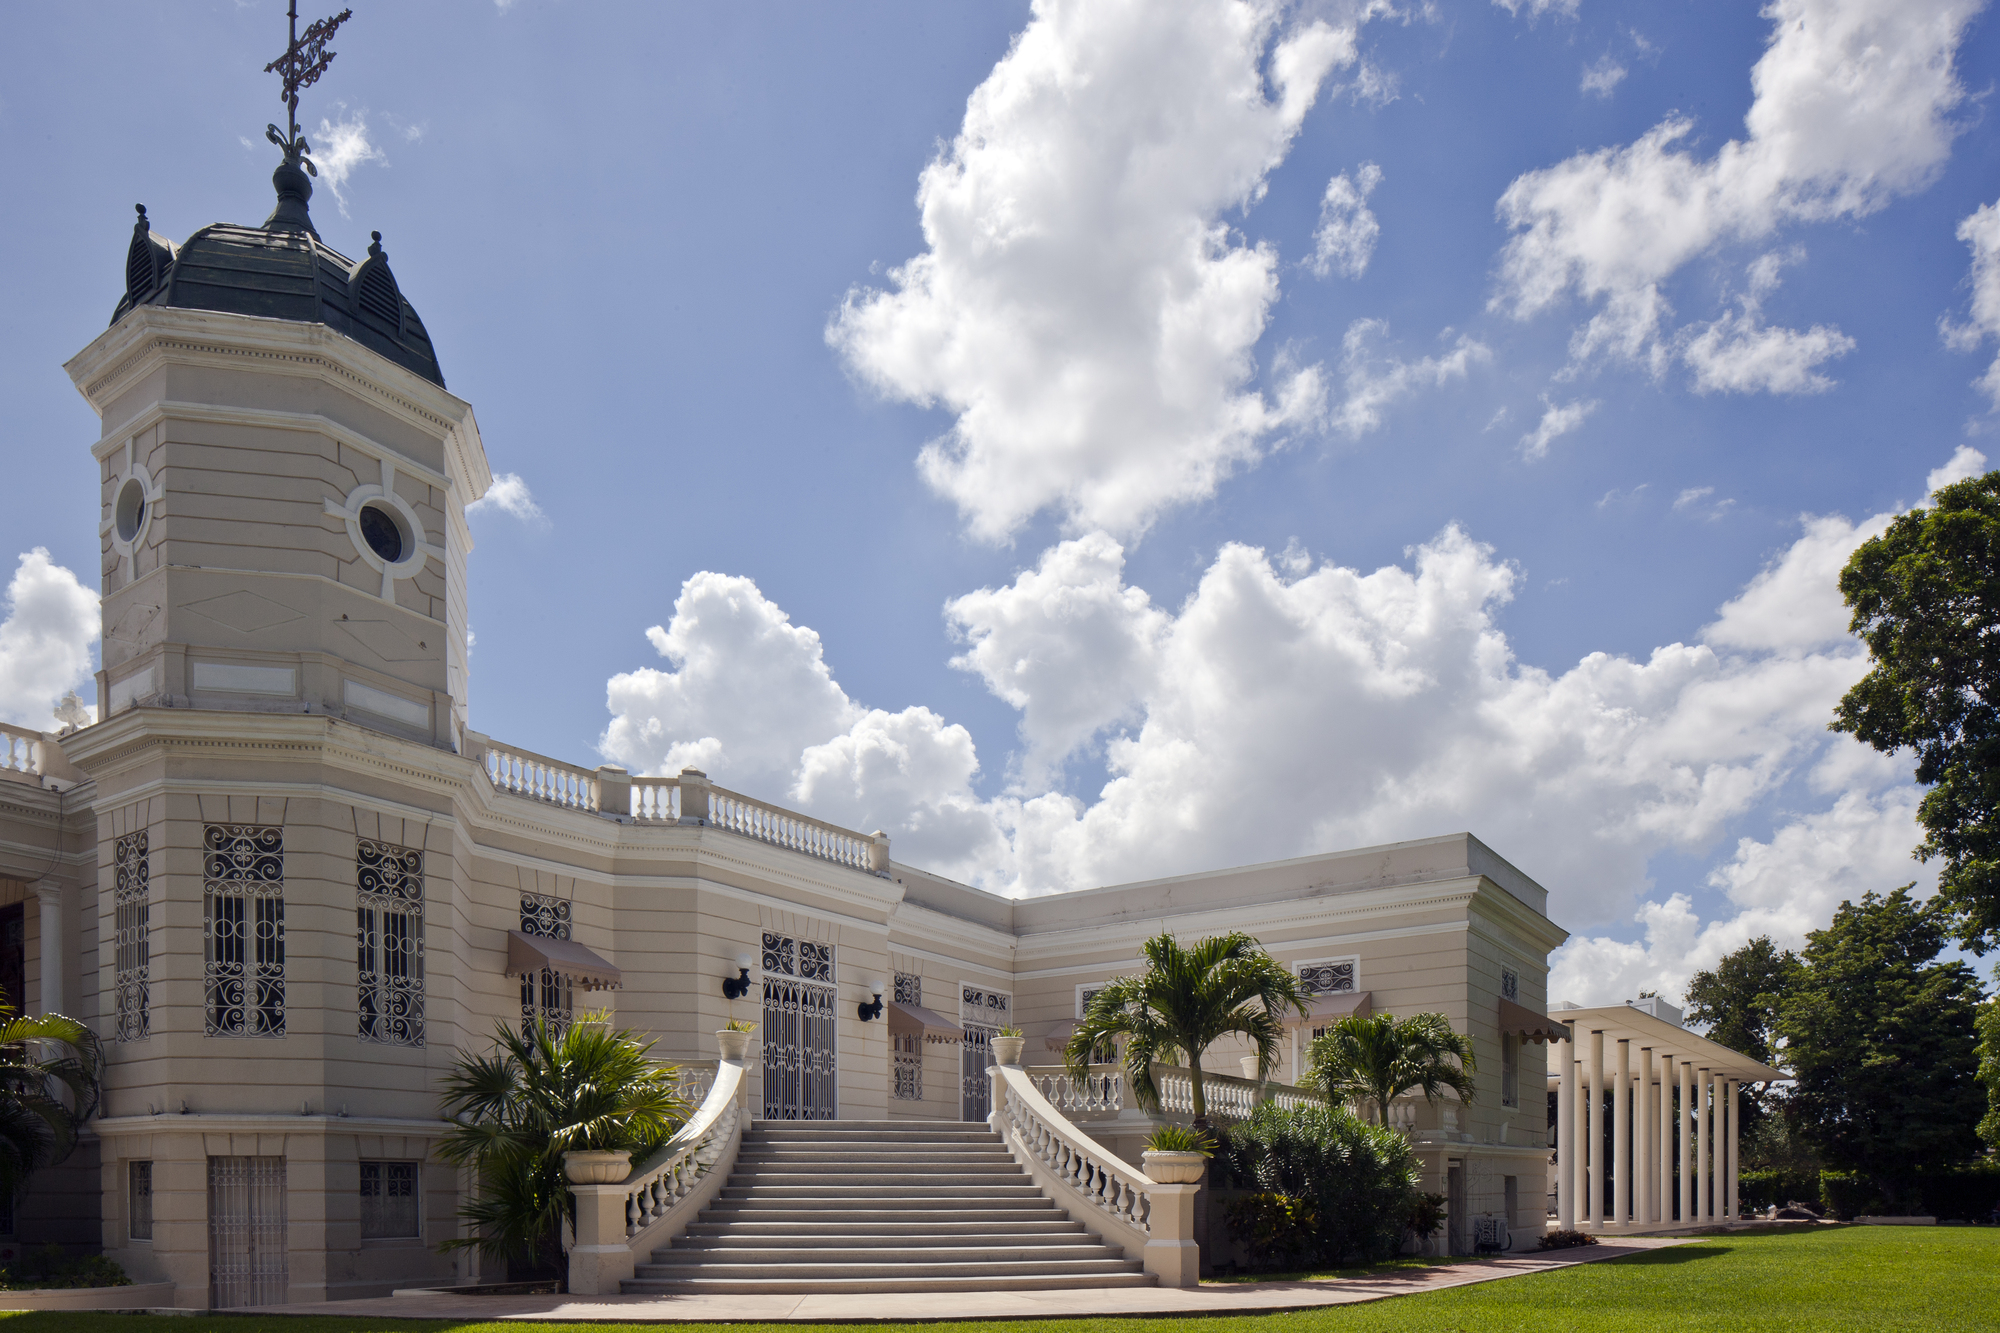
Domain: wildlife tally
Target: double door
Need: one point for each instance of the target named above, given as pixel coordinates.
(800, 1030)
(982, 1013)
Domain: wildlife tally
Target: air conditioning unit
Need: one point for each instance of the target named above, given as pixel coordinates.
(1489, 1235)
(1658, 1008)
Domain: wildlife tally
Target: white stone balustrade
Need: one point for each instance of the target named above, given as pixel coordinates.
(694, 1078)
(1100, 1092)
(1152, 1220)
(540, 778)
(618, 1224)
(18, 749)
(1103, 1092)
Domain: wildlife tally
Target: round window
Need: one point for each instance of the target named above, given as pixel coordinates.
(130, 512)
(383, 532)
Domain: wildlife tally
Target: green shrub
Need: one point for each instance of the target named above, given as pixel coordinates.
(1966, 1193)
(1761, 1189)
(51, 1266)
(1563, 1240)
(1358, 1180)
(1427, 1215)
(1179, 1138)
(1279, 1228)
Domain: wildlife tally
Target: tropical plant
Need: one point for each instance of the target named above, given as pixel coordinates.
(1179, 1138)
(1989, 1065)
(1336, 1187)
(541, 1093)
(1185, 1001)
(1008, 1031)
(1374, 1060)
(51, 1082)
(739, 1025)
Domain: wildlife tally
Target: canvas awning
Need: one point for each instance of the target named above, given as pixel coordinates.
(908, 1018)
(1324, 1009)
(1522, 1021)
(536, 953)
(1056, 1036)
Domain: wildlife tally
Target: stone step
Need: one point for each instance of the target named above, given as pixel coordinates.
(754, 1229)
(891, 1251)
(895, 1269)
(836, 1213)
(913, 1195)
(863, 1152)
(922, 1237)
(797, 1286)
(834, 1137)
(979, 1177)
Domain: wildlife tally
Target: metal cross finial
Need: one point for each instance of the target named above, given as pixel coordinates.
(305, 59)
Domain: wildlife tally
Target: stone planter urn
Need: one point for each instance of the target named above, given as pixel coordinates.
(733, 1044)
(597, 1168)
(1007, 1050)
(1174, 1168)
(1249, 1063)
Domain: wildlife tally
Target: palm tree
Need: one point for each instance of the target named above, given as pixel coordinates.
(51, 1072)
(1183, 1002)
(542, 1092)
(1372, 1061)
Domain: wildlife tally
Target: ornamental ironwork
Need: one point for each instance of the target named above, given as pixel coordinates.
(907, 1065)
(1510, 983)
(982, 1013)
(1326, 978)
(243, 910)
(389, 1201)
(132, 909)
(546, 996)
(799, 1034)
(909, 988)
(389, 942)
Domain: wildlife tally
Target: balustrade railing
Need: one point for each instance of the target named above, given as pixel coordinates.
(1104, 1092)
(783, 828)
(656, 800)
(1100, 1092)
(540, 778)
(693, 1079)
(19, 749)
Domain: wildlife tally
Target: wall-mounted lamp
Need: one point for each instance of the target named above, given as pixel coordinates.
(736, 987)
(870, 1012)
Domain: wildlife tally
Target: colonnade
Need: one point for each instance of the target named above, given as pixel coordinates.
(1672, 1159)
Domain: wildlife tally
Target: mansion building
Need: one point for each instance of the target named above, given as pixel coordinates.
(288, 883)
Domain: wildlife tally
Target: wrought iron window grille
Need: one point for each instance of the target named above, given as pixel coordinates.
(243, 908)
(546, 996)
(389, 943)
(133, 910)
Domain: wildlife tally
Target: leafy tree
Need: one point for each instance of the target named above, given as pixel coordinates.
(1926, 599)
(51, 1071)
(1185, 1001)
(1989, 1066)
(1879, 1037)
(1372, 1061)
(1737, 1004)
(539, 1094)
(1331, 1187)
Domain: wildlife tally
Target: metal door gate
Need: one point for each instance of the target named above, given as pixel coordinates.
(981, 1013)
(800, 1030)
(246, 1232)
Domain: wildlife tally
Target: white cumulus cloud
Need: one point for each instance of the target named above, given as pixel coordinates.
(339, 148)
(1371, 381)
(509, 494)
(1602, 75)
(1081, 309)
(1558, 420)
(1344, 242)
(1851, 109)
(45, 640)
(1981, 231)
(1537, 8)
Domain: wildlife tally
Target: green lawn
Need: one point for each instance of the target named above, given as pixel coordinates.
(1931, 1278)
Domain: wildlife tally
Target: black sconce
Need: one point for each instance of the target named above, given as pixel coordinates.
(869, 1012)
(735, 988)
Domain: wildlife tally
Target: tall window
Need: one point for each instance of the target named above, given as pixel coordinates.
(389, 1201)
(139, 1199)
(907, 1048)
(981, 1013)
(1510, 1069)
(545, 995)
(801, 1081)
(132, 906)
(243, 895)
(1328, 976)
(389, 936)
(1510, 983)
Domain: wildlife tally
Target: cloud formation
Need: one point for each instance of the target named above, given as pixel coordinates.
(1081, 310)
(1371, 381)
(1558, 420)
(1851, 109)
(1344, 241)
(1981, 232)
(509, 493)
(45, 640)
(1287, 708)
(339, 148)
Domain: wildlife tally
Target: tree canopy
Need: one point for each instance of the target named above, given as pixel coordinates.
(1738, 1004)
(1926, 600)
(1374, 1060)
(1879, 1037)
(1186, 1000)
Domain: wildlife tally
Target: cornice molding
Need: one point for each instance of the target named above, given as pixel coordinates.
(199, 1122)
(174, 409)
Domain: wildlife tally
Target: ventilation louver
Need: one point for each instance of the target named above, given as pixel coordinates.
(379, 297)
(139, 268)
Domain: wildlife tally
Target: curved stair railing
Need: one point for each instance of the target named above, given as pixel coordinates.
(1152, 1219)
(619, 1223)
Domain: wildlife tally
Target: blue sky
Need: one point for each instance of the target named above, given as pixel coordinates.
(1181, 429)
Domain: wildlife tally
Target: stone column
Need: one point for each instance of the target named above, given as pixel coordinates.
(1644, 1157)
(1593, 1128)
(1565, 1135)
(55, 946)
(1621, 1138)
(1733, 1104)
(1704, 1206)
(1687, 1156)
(1665, 1197)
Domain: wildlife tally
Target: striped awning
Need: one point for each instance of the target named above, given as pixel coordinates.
(538, 953)
(1522, 1021)
(914, 1018)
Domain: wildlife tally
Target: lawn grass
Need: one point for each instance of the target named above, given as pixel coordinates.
(1942, 1278)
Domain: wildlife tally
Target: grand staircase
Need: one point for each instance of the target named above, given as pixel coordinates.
(881, 1206)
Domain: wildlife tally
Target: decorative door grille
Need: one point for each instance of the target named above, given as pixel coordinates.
(800, 1030)
(243, 892)
(389, 933)
(246, 1232)
(545, 995)
(389, 1201)
(132, 904)
(982, 1013)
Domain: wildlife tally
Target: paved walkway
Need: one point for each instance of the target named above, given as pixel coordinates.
(859, 1308)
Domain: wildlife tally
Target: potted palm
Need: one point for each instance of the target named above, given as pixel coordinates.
(734, 1038)
(1008, 1043)
(1177, 1155)
(1186, 1000)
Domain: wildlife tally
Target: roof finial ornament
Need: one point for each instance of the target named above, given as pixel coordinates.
(142, 226)
(375, 247)
(305, 59)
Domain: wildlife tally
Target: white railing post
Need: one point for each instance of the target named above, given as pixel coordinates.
(878, 852)
(694, 796)
(602, 1258)
(614, 790)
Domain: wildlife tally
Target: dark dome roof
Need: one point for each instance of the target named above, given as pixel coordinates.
(281, 270)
